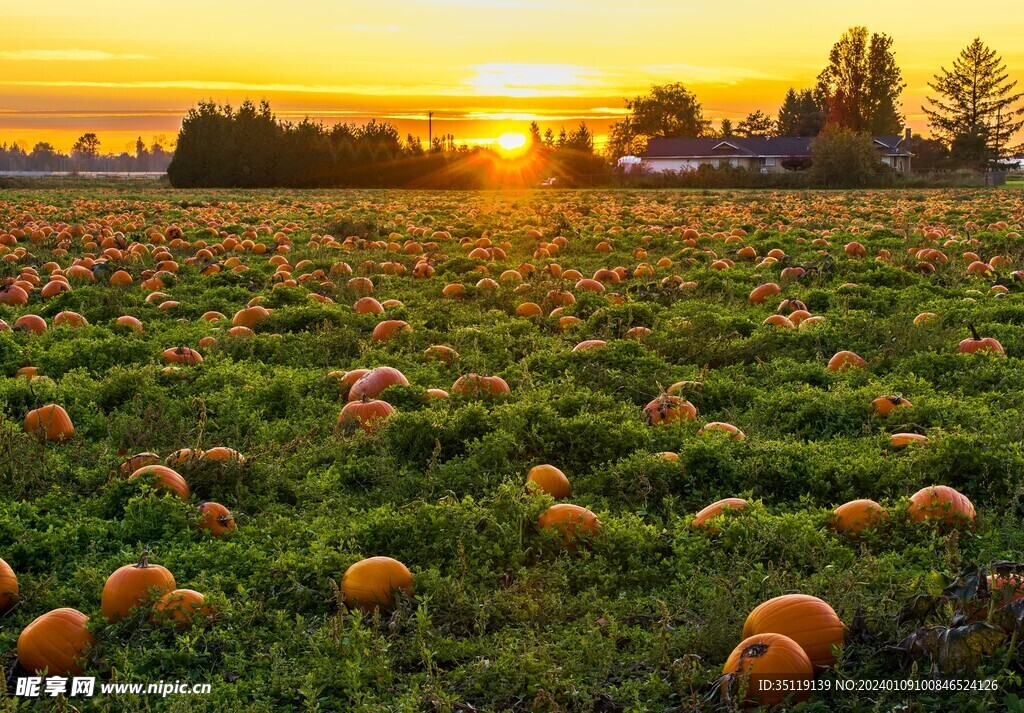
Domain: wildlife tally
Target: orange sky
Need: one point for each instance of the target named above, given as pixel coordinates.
(123, 69)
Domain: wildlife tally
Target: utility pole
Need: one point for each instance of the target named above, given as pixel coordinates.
(430, 128)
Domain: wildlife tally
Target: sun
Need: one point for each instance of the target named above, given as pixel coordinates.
(511, 143)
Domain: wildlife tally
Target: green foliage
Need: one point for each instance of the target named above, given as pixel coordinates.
(503, 617)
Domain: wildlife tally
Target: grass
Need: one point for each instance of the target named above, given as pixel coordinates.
(503, 617)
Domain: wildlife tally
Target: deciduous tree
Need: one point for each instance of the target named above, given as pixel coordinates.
(862, 83)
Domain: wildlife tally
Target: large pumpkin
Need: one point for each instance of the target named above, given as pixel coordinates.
(571, 521)
(166, 478)
(807, 620)
(857, 515)
(132, 585)
(474, 384)
(769, 667)
(249, 316)
(943, 504)
(977, 343)
(371, 583)
(550, 480)
(51, 420)
(366, 414)
(55, 643)
(8, 587)
(371, 384)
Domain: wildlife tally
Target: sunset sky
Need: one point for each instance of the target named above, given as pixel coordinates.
(123, 69)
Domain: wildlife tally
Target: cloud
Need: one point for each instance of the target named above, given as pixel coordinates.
(513, 79)
(65, 56)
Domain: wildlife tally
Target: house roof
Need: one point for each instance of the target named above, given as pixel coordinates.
(739, 147)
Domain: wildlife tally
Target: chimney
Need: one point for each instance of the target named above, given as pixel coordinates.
(906, 138)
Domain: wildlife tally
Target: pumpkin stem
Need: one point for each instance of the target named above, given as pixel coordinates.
(755, 651)
(144, 559)
(974, 332)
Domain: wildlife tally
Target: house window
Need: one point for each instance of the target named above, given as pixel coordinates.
(734, 162)
(715, 163)
(766, 161)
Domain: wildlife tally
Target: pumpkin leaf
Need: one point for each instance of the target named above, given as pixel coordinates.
(917, 608)
(953, 650)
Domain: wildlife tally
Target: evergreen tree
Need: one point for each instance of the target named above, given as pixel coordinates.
(975, 111)
(756, 125)
(802, 113)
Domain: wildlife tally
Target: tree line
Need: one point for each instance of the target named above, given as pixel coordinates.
(974, 113)
(249, 147)
(84, 156)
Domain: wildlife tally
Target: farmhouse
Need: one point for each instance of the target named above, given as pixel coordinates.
(763, 154)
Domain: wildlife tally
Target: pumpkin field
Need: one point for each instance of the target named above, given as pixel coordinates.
(514, 451)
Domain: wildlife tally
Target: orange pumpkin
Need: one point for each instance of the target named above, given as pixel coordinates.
(845, 360)
(763, 659)
(762, 292)
(55, 643)
(550, 480)
(704, 517)
(372, 582)
(365, 414)
(737, 434)
(807, 620)
(441, 352)
(389, 329)
(905, 439)
(572, 522)
(32, 323)
(138, 461)
(180, 606)
(371, 384)
(367, 305)
(217, 519)
(132, 585)
(8, 588)
(884, 405)
(476, 385)
(52, 421)
(129, 322)
(71, 319)
(165, 478)
(223, 454)
(942, 504)
(184, 456)
(857, 515)
(182, 355)
(589, 344)
(976, 344)
(668, 409)
(249, 316)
